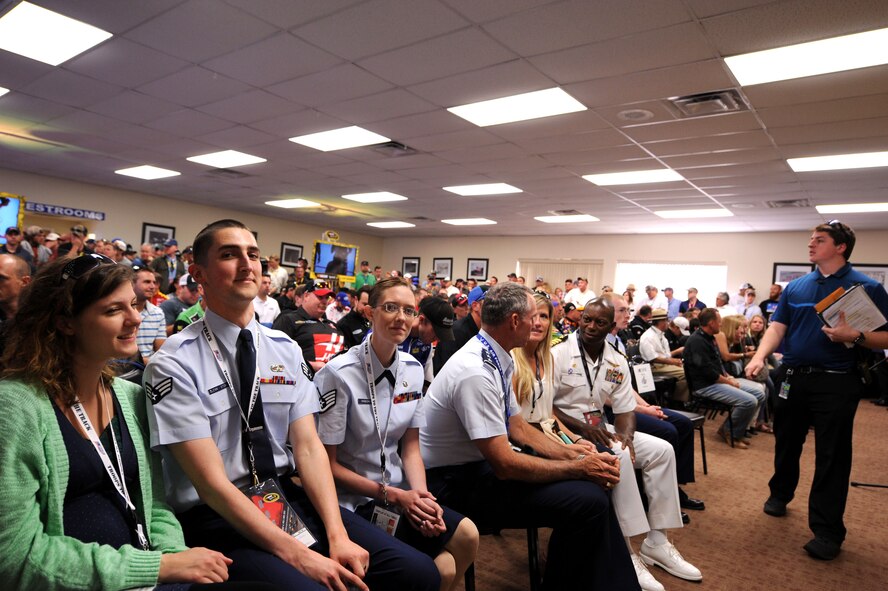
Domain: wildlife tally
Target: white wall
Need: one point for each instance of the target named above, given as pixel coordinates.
(125, 212)
(749, 256)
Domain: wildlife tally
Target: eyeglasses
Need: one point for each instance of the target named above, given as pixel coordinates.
(82, 265)
(393, 308)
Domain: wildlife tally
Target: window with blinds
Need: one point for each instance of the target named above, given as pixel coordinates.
(555, 272)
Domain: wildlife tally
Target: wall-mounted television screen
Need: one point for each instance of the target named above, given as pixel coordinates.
(334, 259)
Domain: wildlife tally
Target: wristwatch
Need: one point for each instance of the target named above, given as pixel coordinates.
(860, 338)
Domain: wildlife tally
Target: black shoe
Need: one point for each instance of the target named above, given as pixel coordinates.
(775, 507)
(687, 502)
(685, 518)
(822, 549)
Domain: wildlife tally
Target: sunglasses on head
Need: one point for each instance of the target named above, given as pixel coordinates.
(83, 264)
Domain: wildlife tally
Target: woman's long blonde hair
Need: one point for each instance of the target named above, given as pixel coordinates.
(729, 327)
(524, 378)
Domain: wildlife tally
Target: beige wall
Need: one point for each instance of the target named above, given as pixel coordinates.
(125, 212)
(749, 256)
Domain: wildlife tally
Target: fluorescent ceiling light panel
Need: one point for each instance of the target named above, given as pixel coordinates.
(634, 177)
(340, 139)
(148, 173)
(520, 107)
(566, 219)
(378, 197)
(469, 222)
(488, 189)
(850, 52)
(839, 162)
(853, 208)
(292, 203)
(677, 214)
(3, 90)
(226, 159)
(46, 36)
(391, 225)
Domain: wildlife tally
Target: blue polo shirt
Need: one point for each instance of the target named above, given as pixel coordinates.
(805, 343)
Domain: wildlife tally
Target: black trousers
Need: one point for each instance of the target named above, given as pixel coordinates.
(827, 401)
(586, 549)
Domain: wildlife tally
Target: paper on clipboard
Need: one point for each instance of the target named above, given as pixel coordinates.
(860, 311)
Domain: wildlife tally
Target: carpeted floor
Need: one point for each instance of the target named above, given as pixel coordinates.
(734, 543)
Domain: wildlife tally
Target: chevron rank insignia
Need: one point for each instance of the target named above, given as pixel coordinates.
(307, 371)
(328, 400)
(157, 392)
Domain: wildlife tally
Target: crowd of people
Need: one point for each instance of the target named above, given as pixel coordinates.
(182, 419)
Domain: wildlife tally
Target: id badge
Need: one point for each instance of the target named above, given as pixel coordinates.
(784, 387)
(385, 518)
(592, 417)
(269, 498)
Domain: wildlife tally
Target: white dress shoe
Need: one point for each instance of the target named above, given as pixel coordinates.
(670, 560)
(645, 579)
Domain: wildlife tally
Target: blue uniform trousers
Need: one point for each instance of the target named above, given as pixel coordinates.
(678, 430)
(394, 566)
(586, 549)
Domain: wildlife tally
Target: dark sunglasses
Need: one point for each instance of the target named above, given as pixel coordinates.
(83, 264)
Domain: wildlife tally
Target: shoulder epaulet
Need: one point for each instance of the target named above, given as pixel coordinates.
(558, 338)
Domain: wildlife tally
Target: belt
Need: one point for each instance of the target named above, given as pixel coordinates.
(808, 369)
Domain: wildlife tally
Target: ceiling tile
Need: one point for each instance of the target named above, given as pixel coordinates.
(235, 138)
(712, 143)
(865, 81)
(335, 85)
(289, 13)
(481, 153)
(824, 132)
(188, 123)
(123, 62)
(299, 123)
(17, 71)
(251, 106)
(114, 16)
(16, 105)
(865, 107)
(281, 56)
(194, 86)
(668, 46)
(384, 25)
(570, 123)
(480, 12)
(575, 142)
(422, 124)
(221, 28)
(449, 141)
(576, 22)
(462, 51)
(134, 107)
(704, 8)
(378, 107)
(71, 89)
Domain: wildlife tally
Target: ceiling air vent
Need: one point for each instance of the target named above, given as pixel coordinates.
(788, 203)
(421, 218)
(226, 173)
(393, 149)
(566, 212)
(709, 103)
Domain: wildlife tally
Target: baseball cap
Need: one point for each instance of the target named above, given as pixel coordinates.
(320, 289)
(365, 263)
(747, 286)
(539, 279)
(188, 281)
(171, 242)
(459, 299)
(79, 229)
(682, 323)
(478, 293)
(569, 307)
(441, 315)
(658, 314)
(119, 244)
(189, 250)
(342, 297)
(52, 236)
(13, 230)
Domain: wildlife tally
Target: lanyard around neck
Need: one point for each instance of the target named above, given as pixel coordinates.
(371, 383)
(590, 379)
(117, 478)
(502, 375)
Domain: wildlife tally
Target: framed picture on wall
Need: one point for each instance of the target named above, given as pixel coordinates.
(157, 233)
(477, 269)
(877, 272)
(410, 265)
(786, 272)
(442, 267)
(290, 254)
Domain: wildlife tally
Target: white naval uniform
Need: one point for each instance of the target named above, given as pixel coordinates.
(188, 399)
(465, 402)
(346, 419)
(654, 456)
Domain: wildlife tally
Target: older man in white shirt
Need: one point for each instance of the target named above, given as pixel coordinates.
(654, 348)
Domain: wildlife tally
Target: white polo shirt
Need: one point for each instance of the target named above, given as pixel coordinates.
(610, 376)
(188, 399)
(346, 418)
(653, 344)
(579, 298)
(465, 402)
(267, 310)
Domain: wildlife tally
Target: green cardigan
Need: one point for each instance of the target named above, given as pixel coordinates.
(34, 551)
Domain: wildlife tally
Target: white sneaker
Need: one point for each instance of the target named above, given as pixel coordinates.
(670, 560)
(645, 579)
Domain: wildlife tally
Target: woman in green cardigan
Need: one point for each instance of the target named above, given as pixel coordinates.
(81, 496)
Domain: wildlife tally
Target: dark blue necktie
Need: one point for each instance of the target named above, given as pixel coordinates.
(256, 435)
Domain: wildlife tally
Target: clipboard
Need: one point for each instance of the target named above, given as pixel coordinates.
(860, 311)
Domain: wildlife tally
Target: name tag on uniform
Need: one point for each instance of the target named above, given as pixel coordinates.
(218, 388)
(363, 401)
(592, 417)
(407, 397)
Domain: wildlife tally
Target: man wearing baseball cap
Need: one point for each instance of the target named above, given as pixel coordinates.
(13, 246)
(318, 338)
(434, 323)
(169, 266)
(365, 277)
(463, 330)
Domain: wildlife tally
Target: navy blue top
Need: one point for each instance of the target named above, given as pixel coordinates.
(805, 343)
(93, 509)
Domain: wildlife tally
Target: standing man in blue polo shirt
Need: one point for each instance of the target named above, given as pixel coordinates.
(821, 387)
